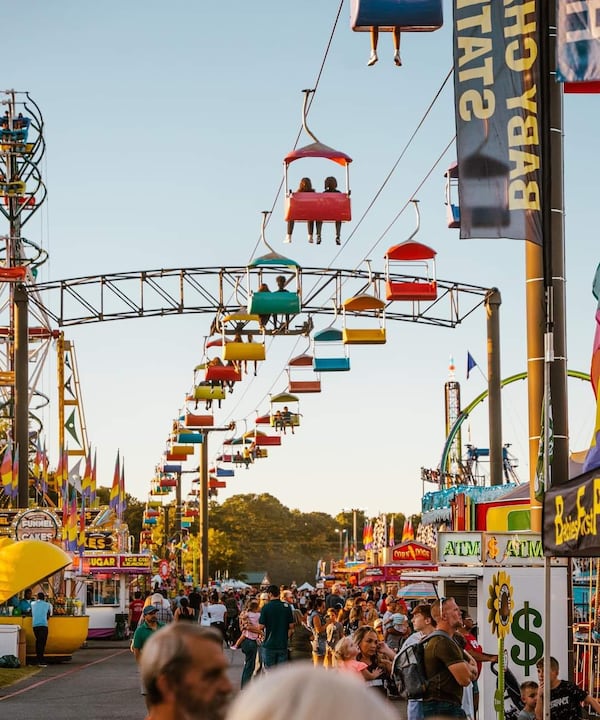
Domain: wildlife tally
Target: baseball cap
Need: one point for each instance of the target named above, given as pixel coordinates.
(150, 609)
(398, 619)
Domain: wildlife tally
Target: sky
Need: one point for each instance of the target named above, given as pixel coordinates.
(166, 127)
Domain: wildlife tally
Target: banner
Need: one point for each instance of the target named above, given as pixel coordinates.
(497, 101)
(571, 517)
(578, 41)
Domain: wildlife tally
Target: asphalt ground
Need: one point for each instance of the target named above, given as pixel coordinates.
(101, 682)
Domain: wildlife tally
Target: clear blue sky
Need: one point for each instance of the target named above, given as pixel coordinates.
(166, 126)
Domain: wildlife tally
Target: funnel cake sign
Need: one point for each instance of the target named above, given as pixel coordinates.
(37, 524)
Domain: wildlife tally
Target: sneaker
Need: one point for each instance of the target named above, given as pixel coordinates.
(318, 239)
(310, 238)
(373, 59)
(338, 241)
(288, 239)
(397, 59)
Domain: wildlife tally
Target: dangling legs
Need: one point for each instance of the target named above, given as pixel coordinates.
(311, 226)
(396, 35)
(290, 230)
(374, 40)
(338, 231)
(319, 226)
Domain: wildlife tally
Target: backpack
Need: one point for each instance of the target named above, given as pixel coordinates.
(408, 669)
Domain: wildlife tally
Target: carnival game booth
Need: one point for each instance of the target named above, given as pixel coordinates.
(499, 579)
(34, 563)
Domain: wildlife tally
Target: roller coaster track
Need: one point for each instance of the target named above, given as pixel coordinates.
(219, 290)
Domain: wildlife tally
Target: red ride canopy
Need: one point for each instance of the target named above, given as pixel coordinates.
(317, 150)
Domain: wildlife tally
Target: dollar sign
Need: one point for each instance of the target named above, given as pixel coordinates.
(492, 548)
(533, 644)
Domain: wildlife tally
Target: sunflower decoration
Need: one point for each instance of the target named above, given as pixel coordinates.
(500, 604)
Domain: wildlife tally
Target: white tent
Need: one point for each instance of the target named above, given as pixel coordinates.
(236, 584)
(306, 586)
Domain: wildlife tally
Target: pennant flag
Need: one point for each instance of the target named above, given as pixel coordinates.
(6, 469)
(44, 479)
(592, 459)
(391, 533)
(595, 371)
(70, 426)
(541, 483)
(81, 534)
(58, 474)
(75, 476)
(64, 485)
(71, 545)
(37, 463)
(470, 364)
(86, 481)
(113, 502)
(405, 531)
(122, 500)
(93, 483)
(14, 493)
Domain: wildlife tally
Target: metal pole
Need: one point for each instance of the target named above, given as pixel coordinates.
(492, 305)
(203, 519)
(22, 392)
(178, 528)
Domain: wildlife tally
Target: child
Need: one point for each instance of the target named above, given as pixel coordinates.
(529, 691)
(346, 651)
(249, 624)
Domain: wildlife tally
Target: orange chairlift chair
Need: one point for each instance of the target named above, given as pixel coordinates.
(368, 309)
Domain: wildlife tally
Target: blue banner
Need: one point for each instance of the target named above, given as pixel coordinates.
(497, 101)
(578, 41)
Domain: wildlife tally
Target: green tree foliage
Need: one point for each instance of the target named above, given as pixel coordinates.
(256, 532)
(249, 533)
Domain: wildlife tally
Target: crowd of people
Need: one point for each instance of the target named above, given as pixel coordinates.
(348, 631)
(348, 643)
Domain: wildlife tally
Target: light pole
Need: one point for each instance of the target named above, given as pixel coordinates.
(341, 533)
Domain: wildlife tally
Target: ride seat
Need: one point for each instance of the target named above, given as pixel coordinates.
(325, 206)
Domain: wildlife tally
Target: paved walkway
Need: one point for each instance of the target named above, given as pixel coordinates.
(101, 682)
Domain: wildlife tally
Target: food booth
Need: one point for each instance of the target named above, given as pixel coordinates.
(499, 578)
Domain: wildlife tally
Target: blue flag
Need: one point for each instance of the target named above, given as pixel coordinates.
(470, 363)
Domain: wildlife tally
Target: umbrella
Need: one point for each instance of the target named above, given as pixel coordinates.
(418, 591)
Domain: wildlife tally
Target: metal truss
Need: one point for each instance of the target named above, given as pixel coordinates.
(220, 291)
